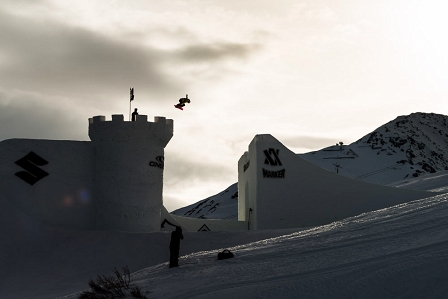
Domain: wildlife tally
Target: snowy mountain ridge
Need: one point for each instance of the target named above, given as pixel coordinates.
(223, 205)
(400, 153)
(408, 146)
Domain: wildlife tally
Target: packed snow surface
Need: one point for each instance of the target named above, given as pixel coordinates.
(398, 252)
(436, 182)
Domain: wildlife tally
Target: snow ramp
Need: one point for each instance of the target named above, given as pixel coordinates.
(279, 189)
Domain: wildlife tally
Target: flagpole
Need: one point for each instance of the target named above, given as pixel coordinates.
(131, 97)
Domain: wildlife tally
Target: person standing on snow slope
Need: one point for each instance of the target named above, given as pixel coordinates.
(176, 236)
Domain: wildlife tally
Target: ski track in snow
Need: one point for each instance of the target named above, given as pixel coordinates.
(398, 252)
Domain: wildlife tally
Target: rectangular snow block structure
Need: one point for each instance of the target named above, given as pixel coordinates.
(113, 182)
(61, 192)
(279, 189)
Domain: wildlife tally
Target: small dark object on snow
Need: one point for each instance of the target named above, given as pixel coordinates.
(226, 254)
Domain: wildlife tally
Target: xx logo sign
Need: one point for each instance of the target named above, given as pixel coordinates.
(272, 157)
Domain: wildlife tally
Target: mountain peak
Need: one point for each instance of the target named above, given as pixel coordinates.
(418, 141)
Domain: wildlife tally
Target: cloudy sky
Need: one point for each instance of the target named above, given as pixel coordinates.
(311, 73)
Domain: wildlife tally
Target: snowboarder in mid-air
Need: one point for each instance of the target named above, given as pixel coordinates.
(182, 102)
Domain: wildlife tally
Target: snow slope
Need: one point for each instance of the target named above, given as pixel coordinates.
(223, 205)
(408, 146)
(435, 182)
(398, 252)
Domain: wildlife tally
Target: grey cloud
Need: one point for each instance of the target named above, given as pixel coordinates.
(177, 32)
(182, 173)
(182, 170)
(54, 58)
(307, 142)
(173, 203)
(19, 5)
(46, 54)
(25, 116)
(217, 51)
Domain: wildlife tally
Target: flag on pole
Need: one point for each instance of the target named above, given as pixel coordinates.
(132, 94)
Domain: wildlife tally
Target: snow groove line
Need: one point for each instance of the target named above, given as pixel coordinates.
(363, 176)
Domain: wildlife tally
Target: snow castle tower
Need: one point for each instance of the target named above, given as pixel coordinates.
(128, 175)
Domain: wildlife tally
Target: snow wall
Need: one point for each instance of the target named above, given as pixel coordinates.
(279, 189)
(49, 180)
(129, 162)
(114, 182)
(170, 221)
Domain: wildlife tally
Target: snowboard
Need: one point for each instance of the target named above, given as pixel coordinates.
(179, 107)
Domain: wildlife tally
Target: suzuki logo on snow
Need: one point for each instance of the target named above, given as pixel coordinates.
(33, 174)
(272, 157)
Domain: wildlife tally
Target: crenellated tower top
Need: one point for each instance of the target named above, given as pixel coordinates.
(117, 130)
(129, 161)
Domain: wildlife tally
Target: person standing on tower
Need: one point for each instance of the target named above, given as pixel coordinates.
(134, 115)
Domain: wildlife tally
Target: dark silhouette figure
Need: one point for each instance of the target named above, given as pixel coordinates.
(176, 236)
(182, 102)
(134, 115)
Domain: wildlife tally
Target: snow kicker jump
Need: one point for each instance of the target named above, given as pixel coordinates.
(279, 189)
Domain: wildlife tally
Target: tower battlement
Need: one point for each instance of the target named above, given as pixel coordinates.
(157, 133)
(128, 186)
